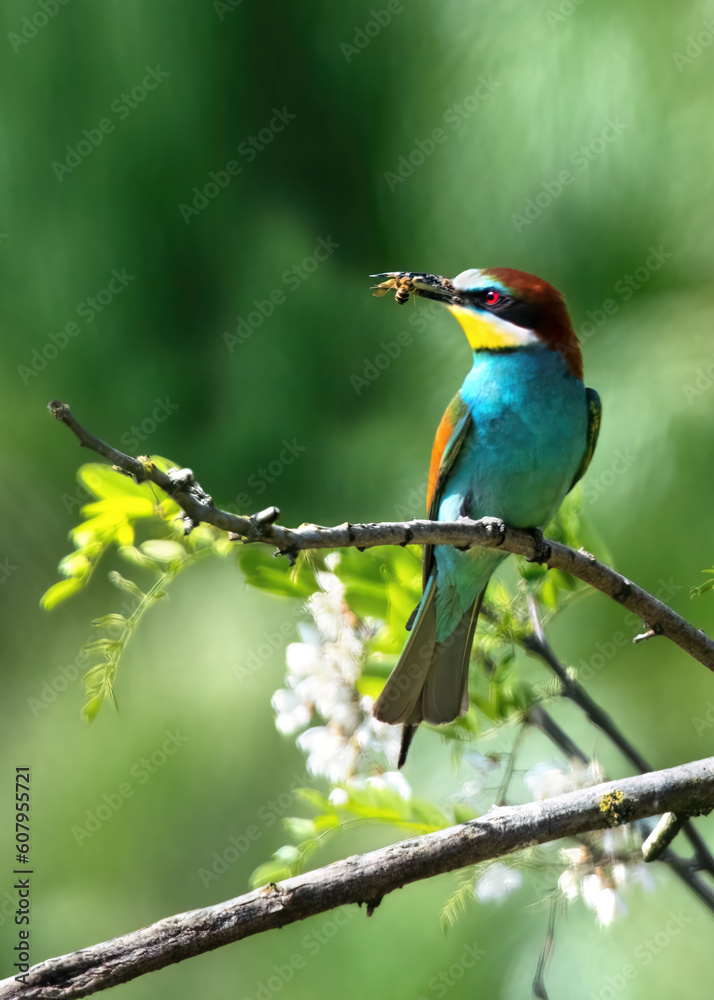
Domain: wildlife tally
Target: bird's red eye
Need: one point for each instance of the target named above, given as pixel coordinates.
(492, 297)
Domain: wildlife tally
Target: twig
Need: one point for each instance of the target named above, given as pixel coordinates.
(366, 879)
(537, 643)
(682, 867)
(538, 717)
(649, 634)
(662, 836)
(546, 954)
(489, 532)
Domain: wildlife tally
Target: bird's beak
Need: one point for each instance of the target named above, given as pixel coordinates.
(428, 286)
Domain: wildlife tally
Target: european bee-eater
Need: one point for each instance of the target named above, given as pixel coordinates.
(515, 439)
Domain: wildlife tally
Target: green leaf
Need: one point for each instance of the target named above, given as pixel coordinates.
(137, 558)
(104, 482)
(75, 564)
(299, 828)
(265, 572)
(269, 872)
(313, 798)
(128, 586)
(120, 507)
(456, 905)
(92, 706)
(163, 550)
(59, 592)
(702, 589)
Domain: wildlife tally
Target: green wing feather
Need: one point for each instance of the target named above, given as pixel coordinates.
(594, 418)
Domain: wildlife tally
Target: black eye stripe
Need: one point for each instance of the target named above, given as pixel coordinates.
(517, 311)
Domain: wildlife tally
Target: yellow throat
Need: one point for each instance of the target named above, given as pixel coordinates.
(491, 333)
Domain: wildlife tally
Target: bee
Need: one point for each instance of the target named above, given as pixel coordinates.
(402, 289)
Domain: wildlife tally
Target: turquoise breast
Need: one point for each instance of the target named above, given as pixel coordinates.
(518, 461)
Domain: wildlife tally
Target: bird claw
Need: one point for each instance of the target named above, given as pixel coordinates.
(542, 547)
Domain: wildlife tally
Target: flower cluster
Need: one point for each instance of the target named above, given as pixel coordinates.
(597, 870)
(349, 745)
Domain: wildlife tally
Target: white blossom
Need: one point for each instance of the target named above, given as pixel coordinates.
(569, 884)
(291, 713)
(637, 872)
(497, 882)
(545, 780)
(342, 739)
(603, 866)
(393, 780)
(338, 797)
(328, 753)
(599, 895)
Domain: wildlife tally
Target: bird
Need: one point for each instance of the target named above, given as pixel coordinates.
(515, 439)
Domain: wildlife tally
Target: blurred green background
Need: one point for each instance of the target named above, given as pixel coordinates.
(521, 92)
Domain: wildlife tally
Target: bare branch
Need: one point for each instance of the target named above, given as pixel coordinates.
(690, 872)
(538, 644)
(688, 788)
(662, 836)
(489, 532)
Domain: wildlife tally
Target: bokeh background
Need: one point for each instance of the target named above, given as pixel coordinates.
(618, 96)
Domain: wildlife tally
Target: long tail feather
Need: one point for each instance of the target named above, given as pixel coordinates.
(399, 701)
(430, 683)
(445, 695)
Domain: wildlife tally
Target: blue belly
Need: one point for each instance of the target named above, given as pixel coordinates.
(517, 463)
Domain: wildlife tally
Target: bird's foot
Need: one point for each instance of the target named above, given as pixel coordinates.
(541, 547)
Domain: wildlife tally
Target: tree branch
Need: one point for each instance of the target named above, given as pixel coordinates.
(538, 644)
(689, 872)
(489, 532)
(688, 788)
